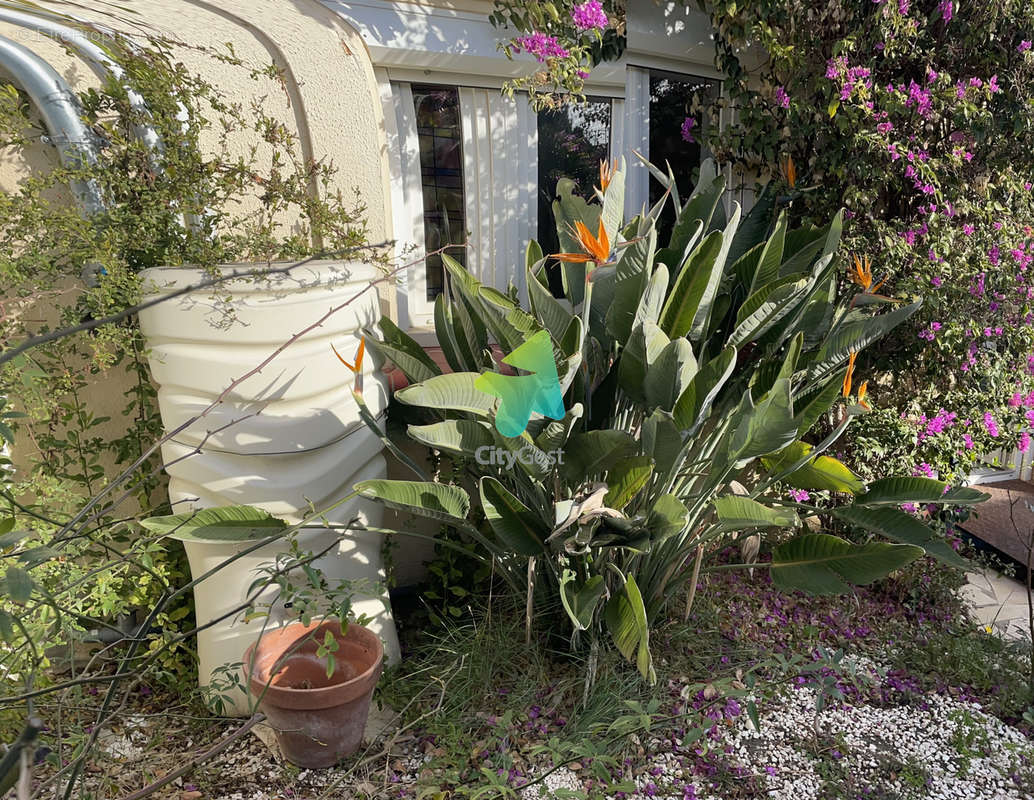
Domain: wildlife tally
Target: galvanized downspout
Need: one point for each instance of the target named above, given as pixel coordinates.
(98, 59)
(58, 107)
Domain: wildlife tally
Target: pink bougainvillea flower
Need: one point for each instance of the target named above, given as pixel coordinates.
(589, 16)
(687, 129)
(1024, 46)
(540, 45)
(781, 97)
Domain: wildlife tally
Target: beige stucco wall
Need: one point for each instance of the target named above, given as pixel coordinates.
(328, 97)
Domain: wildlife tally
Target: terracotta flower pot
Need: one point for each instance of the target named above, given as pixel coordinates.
(318, 720)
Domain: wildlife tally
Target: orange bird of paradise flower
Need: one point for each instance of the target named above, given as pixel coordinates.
(862, 275)
(850, 373)
(357, 368)
(863, 390)
(596, 248)
(606, 174)
(790, 171)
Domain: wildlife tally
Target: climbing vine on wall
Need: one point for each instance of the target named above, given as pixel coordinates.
(85, 404)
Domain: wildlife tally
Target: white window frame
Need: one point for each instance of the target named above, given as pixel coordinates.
(500, 188)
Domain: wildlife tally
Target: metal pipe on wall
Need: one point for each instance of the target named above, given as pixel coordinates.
(99, 60)
(59, 108)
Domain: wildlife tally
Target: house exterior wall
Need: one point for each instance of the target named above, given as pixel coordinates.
(328, 97)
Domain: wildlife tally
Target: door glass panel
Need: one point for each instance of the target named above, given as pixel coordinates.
(441, 171)
(573, 139)
(674, 99)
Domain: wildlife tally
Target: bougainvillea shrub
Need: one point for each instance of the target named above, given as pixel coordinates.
(917, 118)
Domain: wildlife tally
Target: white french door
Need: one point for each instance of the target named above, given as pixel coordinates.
(499, 166)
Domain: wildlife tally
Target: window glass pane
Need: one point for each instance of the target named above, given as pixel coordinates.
(441, 170)
(573, 139)
(673, 100)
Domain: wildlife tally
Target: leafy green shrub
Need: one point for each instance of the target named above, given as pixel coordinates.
(917, 117)
(688, 394)
(188, 204)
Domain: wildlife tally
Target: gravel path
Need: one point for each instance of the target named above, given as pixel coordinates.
(938, 749)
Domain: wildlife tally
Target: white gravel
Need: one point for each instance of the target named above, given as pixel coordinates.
(950, 750)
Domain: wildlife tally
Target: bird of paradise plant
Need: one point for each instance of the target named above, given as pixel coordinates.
(596, 249)
(690, 386)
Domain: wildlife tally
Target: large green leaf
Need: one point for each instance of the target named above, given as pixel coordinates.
(667, 517)
(549, 311)
(805, 245)
(451, 337)
(771, 257)
(580, 601)
(853, 336)
(698, 278)
(897, 491)
(435, 500)
(818, 563)
(633, 271)
(518, 528)
(662, 440)
(595, 452)
(817, 313)
(652, 301)
(817, 403)
(821, 473)
(463, 437)
(625, 479)
(767, 307)
(467, 309)
(645, 345)
(613, 211)
(403, 351)
(569, 208)
(223, 523)
(707, 194)
(702, 319)
(625, 616)
(669, 374)
(452, 392)
(769, 426)
(904, 528)
(695, 402)
(737, 513)
(755, 225)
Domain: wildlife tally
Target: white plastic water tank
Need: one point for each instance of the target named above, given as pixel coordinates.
(288, 439)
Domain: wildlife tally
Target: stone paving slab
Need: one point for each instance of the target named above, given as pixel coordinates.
(1005, 522)
(998, 602)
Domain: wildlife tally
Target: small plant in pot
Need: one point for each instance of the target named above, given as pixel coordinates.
(311, 664)
(314, 683)
(314, 678)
